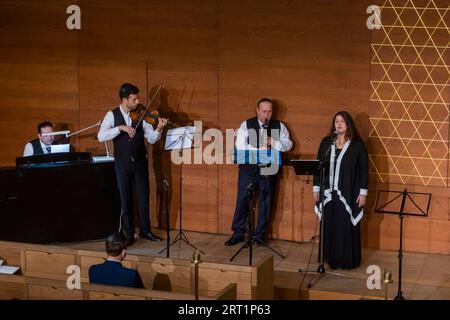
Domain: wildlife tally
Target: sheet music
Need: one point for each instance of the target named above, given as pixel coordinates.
(60, 148)
(8, 270)
(180, 138)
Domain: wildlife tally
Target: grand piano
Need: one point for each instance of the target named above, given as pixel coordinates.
(58, 197)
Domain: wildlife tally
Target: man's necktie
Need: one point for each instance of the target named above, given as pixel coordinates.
(48, 149)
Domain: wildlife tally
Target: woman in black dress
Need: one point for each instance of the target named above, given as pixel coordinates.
(345, 190)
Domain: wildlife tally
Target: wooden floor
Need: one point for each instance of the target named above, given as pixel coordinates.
(425, 276)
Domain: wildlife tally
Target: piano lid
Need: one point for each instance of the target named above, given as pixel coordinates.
(53, 158)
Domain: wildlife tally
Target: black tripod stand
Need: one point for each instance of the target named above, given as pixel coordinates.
(181, 235)
(401, 214)
(166, 214)
(316, 167)
(251, 239)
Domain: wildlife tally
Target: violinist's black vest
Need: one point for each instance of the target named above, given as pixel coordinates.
(253, 169)
(126, 149)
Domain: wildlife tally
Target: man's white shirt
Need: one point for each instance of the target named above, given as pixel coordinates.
(108, 131)
(283, 144)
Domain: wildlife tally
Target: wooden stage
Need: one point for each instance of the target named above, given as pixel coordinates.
(425, 276)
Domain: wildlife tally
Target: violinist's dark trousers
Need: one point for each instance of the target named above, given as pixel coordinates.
(126, 175)
(266, 189)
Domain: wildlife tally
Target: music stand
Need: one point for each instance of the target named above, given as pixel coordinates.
(249, 243)
(316, 168)
(401, 213)
(176, 140)
(263, 158)
(166, 214)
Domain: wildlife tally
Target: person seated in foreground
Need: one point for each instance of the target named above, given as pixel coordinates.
(111, 272)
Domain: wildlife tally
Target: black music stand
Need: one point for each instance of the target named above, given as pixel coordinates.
(176, 140)
(316, 168)
(249, 243)
(265, 159)
(166, 214)
(422, 213)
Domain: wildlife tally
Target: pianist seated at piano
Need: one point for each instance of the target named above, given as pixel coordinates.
(43, 143)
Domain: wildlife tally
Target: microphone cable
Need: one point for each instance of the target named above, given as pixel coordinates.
(309, 259)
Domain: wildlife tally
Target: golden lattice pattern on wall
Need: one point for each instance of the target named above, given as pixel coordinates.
(409, 113)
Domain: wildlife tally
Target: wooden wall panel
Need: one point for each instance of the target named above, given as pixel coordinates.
(275, 50)
(228, 177)
(32, 29)
(157, 31)
(33, 91)
(282, 222)
(304, 218)
(99, 83)
(189, 94)
(200, 197)
(38, 72)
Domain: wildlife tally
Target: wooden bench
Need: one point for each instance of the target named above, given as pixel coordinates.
(158, 273)
(30, 288)
(13, 287)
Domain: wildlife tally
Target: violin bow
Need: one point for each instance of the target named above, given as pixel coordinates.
(153, 98)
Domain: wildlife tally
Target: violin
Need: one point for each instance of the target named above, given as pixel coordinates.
(141, 113)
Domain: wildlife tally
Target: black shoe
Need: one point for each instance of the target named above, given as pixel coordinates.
(234, 240)
(149, 236)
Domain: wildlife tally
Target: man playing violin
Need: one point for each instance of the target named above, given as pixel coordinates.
(130, 155)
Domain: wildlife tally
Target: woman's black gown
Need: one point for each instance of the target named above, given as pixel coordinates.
(341, 239)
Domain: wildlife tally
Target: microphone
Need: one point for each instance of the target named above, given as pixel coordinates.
(267, 131)
(266, 127)
(332, 142)
(334, 137)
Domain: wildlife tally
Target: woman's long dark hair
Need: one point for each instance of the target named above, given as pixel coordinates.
(351, 133)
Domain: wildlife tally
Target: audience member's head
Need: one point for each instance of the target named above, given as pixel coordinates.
(115, 246)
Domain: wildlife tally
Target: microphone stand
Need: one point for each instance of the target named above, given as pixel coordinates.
(249, 243)
(269, 147)
(68, 134)
(108, 157)
(166, 212)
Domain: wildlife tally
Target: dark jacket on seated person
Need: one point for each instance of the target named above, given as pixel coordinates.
(114, 274)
